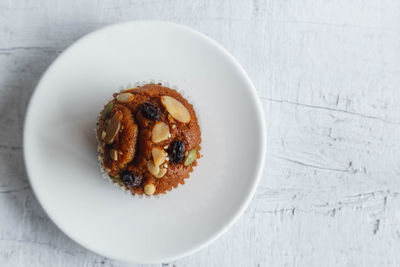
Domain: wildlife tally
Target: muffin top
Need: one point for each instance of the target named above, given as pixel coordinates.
(149, 139)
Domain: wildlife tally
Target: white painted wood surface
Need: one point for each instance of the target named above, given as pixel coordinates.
(328, 76)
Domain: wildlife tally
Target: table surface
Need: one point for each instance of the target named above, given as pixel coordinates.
(328, 77)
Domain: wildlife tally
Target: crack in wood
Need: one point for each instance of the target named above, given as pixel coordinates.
(376, 226)
(313, 166)
(330, 109)
(34, 242)
(10, 50)
(10, 147)
(15, 190)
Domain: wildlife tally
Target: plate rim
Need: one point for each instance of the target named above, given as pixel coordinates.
(260, 120)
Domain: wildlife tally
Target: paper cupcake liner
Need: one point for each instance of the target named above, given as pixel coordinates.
(104, 173)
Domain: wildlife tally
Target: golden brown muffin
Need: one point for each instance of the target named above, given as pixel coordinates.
(149, 138)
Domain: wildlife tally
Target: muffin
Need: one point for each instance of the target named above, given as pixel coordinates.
(149, 139)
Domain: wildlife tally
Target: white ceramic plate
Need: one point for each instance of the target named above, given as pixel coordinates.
(60, 145)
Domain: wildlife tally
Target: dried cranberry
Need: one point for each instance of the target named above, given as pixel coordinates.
(131, 179)
(150, 111)
(177, 151)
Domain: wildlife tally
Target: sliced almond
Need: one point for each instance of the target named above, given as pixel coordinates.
(149, 189)
(159, 155)
(176, 109)
(125, 97)
(161, 173)
(113, 127)
(103, 135)
(114, 154)
(160, 132)
(152, 168)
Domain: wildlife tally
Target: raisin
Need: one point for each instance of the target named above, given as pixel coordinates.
(176, 151)
(150, 111)
(131, 179)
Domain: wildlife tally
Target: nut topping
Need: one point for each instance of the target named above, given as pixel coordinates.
(107, 110)
(160, 132)
(125, 97)
(159, 155)
(113, 127)
(177, 110)
(152, 168)
(114, 154)
(149, 189)
(190, 157)
(161, 173)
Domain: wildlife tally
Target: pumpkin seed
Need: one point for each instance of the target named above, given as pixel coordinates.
(117, 180)
(107, 110)
(191, 157)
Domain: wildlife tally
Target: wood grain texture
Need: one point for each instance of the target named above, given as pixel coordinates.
(328, 76)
